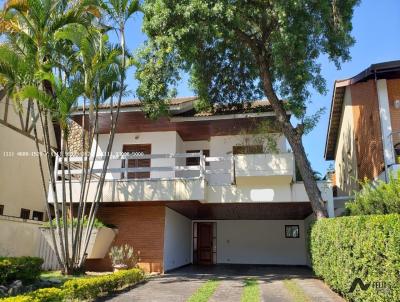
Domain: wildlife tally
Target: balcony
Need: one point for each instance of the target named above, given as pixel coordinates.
(167, 177)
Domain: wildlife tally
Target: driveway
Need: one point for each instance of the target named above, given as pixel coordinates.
(276, 284)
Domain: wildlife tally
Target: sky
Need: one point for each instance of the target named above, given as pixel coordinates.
(376, 28)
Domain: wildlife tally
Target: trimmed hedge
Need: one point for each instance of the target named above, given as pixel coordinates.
(83, 288)
(26, 269)
(366, 247)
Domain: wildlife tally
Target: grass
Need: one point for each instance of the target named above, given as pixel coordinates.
(251, 291)
(295, 291)
(205, 292)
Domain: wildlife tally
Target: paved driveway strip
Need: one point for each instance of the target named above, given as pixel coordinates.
(182, 283)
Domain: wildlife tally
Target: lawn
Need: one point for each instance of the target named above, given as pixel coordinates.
(251, 291)
(295, 291)
(204, 293)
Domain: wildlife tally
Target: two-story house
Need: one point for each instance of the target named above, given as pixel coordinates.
(364, 128)
(201, 188)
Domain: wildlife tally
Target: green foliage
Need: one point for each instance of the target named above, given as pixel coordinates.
(204, 293)
(251, 291)
(123, 255)
(365, 247)
(91, 288)
(26, 269)
(83, 288)
(296, 291)
(97, 223)
(223, 44)
(376, 198)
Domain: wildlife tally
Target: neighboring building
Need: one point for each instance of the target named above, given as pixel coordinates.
(364, 128)
(200, 188)
(22, 198)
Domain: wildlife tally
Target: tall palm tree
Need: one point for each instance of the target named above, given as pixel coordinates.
(61, 44)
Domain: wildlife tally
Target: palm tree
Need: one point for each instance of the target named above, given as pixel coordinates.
(58, 45)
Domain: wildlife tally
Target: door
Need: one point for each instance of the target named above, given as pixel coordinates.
(205, 243)
(137, 149)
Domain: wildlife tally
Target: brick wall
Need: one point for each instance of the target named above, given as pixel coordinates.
(139, 226)
(393, 87)
(367, 129)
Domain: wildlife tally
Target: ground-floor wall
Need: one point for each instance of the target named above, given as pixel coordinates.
(142, 227)
(260, 242)
(164, 239)
(177, 240)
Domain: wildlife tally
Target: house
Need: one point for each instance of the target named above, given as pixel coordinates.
(22, 198)
(363, 135)
(200, 187)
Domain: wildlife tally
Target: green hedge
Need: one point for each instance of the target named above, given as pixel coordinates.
(26, 269)
(83, 288)
(366, 247)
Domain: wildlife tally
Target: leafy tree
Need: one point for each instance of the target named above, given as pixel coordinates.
(376, 198)
(241, 50)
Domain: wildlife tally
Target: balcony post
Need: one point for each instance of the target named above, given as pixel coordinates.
(56, 162)
(233, 172)
(202, 164)
(126, 168)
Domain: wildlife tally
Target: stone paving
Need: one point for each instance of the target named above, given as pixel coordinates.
(180, 284)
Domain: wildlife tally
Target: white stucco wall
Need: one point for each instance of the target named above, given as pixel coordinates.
(18, 237)
(161, 143)
(223, 146)
(345, 156)
(260, 242)
(20, 181)
(177, 240)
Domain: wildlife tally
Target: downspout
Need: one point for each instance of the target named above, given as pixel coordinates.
(382, 130)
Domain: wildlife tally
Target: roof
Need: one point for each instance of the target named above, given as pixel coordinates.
(184, 107)
(385, 70)
(137, 103)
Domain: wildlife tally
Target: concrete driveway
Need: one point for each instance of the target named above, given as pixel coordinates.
(276, 283)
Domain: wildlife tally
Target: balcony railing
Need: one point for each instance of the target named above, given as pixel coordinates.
(162, 167)
(169, 177)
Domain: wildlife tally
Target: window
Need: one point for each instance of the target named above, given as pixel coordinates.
(25, 213)
(1, 209)
(248, 149)
(138, 150)
(36, 215)
(195, 161)
(292, 231)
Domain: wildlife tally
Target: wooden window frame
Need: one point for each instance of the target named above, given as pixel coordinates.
(247, 149)
(39, 214)
(136, 175)
(195, 161)
(290, 226)
(26, 211)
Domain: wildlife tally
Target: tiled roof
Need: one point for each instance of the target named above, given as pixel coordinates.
(137, 103)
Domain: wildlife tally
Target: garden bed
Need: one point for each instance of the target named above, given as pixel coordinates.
(83, 288)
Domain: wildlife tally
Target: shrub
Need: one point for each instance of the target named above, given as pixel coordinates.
(91, 288)
(366, 247)
(83, 288)
(97, 223)
(26, 269)
(376, 198)
(123, 256)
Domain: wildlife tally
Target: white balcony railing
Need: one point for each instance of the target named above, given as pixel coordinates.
(141, 177)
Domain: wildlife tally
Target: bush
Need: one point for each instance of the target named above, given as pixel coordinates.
(366, 247)
(26, 269)
(376, 198)
(83, 288)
